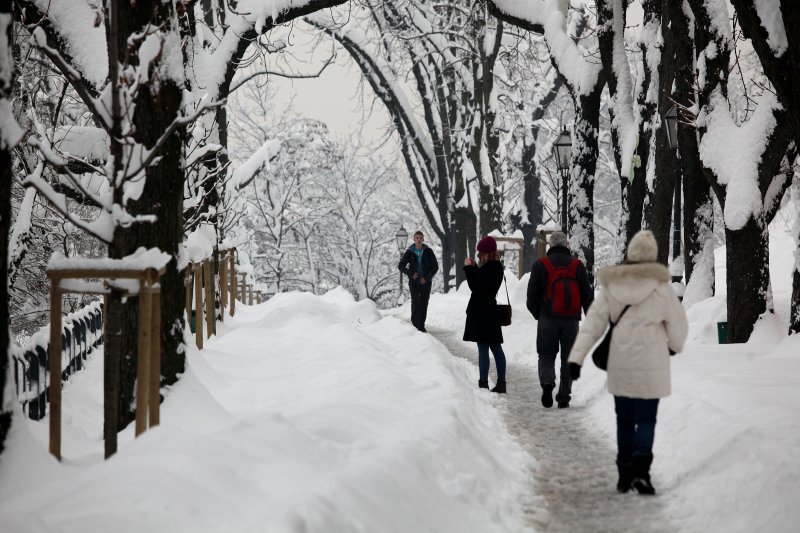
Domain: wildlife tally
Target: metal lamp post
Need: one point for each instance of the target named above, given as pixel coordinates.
(562, 151)
(672, 139)
(401, 238)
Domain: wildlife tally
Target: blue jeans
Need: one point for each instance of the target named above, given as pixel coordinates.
(499, 360)
(636, 427)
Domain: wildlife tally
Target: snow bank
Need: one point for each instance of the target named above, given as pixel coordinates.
(305, 414)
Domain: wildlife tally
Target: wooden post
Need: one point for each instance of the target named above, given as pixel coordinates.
(243, 297)
(55, 368)
(187, 281)
(198, 305)
(542, 244)
(143, 358)
(232, 258)
(208, 271)
(148, 370)
(223, 281)
(251, 295)
(155, 356)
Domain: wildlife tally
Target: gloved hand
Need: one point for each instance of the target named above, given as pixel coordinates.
(574, 371)
(671, 351)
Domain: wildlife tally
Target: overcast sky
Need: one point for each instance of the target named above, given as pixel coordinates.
(335, 96)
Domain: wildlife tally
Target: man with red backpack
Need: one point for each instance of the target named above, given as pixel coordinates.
(557, 291)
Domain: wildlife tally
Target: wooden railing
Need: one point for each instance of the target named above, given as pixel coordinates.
(82, 333)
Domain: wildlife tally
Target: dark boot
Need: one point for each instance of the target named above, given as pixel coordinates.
(547, 395)
(500, 387)
(641, 474)
(625, 476)
(483, 383)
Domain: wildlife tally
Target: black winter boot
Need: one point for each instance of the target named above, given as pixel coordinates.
(500, 387)
(625, 476)
(641, 474)
(483, 383)
(547, 395)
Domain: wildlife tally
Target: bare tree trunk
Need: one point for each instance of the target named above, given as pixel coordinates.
(114, 320)
(747, 262)
(532, 216)
(5, 231)
(698, 216)
(157, 106)
(464, 223)
(586, 133)
(659, 204)
(784, 73)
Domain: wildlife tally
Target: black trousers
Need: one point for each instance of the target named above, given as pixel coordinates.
(420, 294)
(556, 335)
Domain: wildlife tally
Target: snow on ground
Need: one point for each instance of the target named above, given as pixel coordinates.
(315, 413)
(727, 449)
(306, 414)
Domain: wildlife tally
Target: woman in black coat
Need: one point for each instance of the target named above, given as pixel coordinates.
(483, 324)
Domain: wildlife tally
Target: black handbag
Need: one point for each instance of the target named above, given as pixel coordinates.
(600, 354)
(504, 310)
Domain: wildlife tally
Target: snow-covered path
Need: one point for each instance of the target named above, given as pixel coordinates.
(575, 477)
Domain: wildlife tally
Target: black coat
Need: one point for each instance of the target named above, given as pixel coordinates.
(408, 264)
(537, 284)
(483, 324)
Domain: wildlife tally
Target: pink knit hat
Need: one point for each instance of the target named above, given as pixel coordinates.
(487, 244)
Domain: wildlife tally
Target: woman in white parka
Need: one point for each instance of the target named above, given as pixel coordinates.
(653, 327)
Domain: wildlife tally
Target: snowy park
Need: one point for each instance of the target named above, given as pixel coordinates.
(399, 266)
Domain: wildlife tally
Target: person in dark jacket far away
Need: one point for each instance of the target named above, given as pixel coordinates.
(557, 291)
(653, 328)
(419, 264)
(483, 323)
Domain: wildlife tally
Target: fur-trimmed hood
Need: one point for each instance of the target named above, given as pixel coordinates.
(632, 283)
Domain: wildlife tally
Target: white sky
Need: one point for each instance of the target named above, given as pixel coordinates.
(336, 97)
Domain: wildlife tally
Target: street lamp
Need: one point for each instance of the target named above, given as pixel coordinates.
(401, 238)
(562, 151)
(671, 119)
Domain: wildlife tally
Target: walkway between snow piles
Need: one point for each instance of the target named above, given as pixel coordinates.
(575, 473)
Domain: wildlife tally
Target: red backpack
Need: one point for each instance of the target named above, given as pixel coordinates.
(563, 296)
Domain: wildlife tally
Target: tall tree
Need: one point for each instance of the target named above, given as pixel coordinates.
(657, 45)
(698, 209)
(779, 52)
(585, 81)
(750, 193)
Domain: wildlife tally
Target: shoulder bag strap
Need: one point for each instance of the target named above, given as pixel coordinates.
(506, 285)
(620, 316)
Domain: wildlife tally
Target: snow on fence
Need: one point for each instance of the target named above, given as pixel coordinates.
(81, 334)
(82, 331)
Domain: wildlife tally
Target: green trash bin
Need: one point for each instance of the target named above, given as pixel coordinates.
(722, 332)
